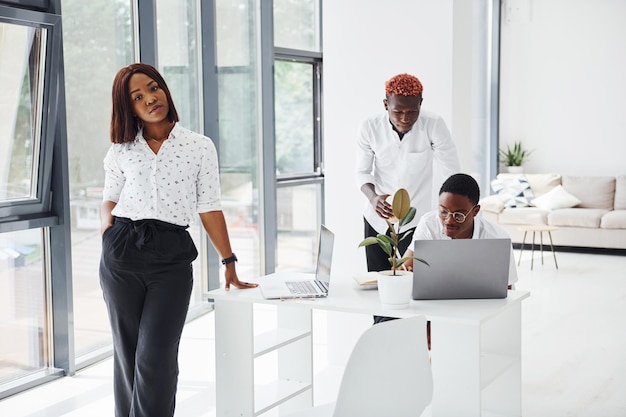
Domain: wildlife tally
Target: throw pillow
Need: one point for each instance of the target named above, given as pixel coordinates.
(556, 198)
(514, 192)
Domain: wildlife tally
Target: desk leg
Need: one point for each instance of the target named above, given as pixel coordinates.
(477, 366)
(456, 373)
(295, 361)
(234, 363)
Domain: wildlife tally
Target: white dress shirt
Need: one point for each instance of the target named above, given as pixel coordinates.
(431, 228)
(389, 163)
(175, 184)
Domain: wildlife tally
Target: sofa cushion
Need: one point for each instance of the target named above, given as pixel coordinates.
(523, 215)
(542, 183)
(492, 203)
(514, 192)
(615, 219)
(556, 198)
(620, 193)
(539, 183)
(593, 192)
(576, 217)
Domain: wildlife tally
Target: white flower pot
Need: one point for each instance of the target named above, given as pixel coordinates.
(515, 170)
(395, 291)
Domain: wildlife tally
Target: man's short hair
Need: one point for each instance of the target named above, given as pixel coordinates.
(462, 184)
(404, 85)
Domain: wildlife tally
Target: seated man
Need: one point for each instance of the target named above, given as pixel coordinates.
(457, 218)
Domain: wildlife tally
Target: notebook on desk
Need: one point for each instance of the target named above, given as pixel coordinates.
(283, 285)
(461, 268)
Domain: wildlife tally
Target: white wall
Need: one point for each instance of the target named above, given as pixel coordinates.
(365, 43)
(563, 85)
(561, 92)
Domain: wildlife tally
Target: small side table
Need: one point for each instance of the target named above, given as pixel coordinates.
(541, 228)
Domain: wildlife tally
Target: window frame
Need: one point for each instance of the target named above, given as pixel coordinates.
(35, 212)
(314, 59)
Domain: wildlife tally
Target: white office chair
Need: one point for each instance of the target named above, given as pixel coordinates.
(388, 374)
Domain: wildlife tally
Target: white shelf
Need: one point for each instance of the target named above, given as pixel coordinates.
(277, 338)
(493, 365)
(276, 393)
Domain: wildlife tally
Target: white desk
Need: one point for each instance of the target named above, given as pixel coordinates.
(476, 350)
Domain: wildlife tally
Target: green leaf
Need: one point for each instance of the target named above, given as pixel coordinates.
(385, 246)
(368, 241)
(387, 239)
(408, 217)
(514, 156)
(401, 262)
(422, 261)
(401, 203)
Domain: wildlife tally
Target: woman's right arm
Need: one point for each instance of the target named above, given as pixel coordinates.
(106, 218)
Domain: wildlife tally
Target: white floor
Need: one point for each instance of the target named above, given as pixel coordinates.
(574, 351)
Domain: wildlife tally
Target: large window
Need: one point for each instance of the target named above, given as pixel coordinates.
(253, 88)
(297, 25)
(29, 51)
(24, 331)
(21, 69)
(295, 117)
(178, 52)
(239, 128)
(102, 34)
(28, 59)
(298, 146)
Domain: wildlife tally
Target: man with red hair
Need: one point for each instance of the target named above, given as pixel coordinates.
(397, 149)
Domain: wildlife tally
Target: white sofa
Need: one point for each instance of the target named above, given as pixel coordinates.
(589, 211)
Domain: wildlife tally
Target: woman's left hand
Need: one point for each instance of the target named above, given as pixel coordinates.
(232, 279)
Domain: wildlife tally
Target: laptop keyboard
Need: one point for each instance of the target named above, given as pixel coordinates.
(301, 287)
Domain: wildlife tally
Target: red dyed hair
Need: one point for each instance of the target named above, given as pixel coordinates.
(404, 85)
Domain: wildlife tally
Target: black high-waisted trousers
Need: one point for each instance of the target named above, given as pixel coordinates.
(146, 277)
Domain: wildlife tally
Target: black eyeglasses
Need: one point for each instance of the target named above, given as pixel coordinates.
(457, 216)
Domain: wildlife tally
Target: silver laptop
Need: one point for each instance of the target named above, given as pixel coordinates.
(283, 285)
(461, 268)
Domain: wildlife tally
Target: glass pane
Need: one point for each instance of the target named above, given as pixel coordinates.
(299, 214)
(239, 128)
(21, 92)
(295, 136)
(100, 34)
(178, 51)
(23, 327)
(297, 24)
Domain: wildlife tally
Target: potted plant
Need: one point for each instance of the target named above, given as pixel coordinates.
(513, 158)
(395, 285)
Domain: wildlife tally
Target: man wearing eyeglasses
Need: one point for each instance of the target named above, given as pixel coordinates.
(457, 218)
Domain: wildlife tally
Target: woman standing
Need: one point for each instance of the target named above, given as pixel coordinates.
(158, 175)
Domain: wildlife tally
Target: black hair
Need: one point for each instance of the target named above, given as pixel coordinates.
(124, 126)
(462, 184)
